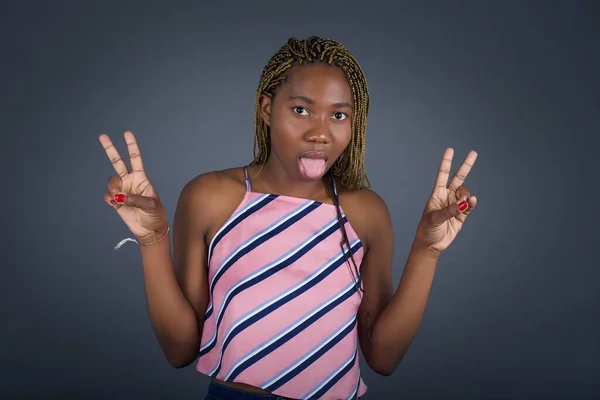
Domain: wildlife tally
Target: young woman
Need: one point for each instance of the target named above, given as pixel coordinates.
(282, 268)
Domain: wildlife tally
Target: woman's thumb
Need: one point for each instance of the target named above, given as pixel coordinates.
(136, 201)
(450, 211)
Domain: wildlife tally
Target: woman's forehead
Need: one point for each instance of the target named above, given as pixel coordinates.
(318, 79)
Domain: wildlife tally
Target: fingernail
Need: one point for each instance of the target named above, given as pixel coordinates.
(463, 205)
(120, 198)
(113, 202)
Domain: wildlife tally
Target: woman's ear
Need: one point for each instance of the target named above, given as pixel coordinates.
(265, 108)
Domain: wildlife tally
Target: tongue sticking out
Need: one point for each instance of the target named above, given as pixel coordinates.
(312, 168)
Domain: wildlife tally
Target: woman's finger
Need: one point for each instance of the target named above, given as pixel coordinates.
(113, 155)
(441, 180)
(438, 217)
(463, 171)
(135, 157)
(462, 193)
(472, 201)
(114, 185)
(109, 199)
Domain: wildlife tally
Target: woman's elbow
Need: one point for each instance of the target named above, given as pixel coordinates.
(383, 371)
(382, 366)
(180, 362)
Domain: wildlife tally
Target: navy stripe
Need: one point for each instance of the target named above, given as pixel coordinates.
(262, 240)
(335, 379)
(257, 279)
(239, 219)
(355, 393)
(294, 332)
(287, 298)
(306, 363)
(208, 313)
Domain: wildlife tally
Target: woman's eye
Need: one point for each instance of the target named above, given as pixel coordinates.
(300, 110)
(340, 116)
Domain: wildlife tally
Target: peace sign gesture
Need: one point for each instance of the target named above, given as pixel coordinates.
(449, 205)
(131, 194)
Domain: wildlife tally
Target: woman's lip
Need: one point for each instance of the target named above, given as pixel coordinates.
(318, 155)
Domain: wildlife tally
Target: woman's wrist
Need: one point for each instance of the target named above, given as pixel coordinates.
(153, 237)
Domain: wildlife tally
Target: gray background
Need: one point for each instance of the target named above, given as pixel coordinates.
(513, 312)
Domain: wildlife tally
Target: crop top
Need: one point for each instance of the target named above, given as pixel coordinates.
(283, 306)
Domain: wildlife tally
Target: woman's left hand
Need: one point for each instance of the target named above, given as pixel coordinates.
(448, 207)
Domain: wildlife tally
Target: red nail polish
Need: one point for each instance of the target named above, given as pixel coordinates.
(463, 205)
(120, 198)
(113, 202)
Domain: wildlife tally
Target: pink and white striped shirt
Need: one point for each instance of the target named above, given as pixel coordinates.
(283, 303)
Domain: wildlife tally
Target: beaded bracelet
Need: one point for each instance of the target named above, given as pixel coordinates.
(141, 244)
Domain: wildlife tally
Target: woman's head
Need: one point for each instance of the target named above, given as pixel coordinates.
(312, 103)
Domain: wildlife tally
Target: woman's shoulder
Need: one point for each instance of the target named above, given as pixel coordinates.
(214, 186)
(365, 199)
(365, 209)
(219, 179)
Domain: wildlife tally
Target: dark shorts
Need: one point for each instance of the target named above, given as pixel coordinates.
(216, 391)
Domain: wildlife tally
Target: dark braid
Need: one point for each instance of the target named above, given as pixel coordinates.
(345, 243)
(350, 167)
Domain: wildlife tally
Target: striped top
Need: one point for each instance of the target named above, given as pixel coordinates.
(283, 303)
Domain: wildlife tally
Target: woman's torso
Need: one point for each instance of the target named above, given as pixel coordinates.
(283, 302)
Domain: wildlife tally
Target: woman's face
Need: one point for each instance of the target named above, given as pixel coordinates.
(310, 119)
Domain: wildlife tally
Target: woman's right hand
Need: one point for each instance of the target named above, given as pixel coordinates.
(132, 195)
